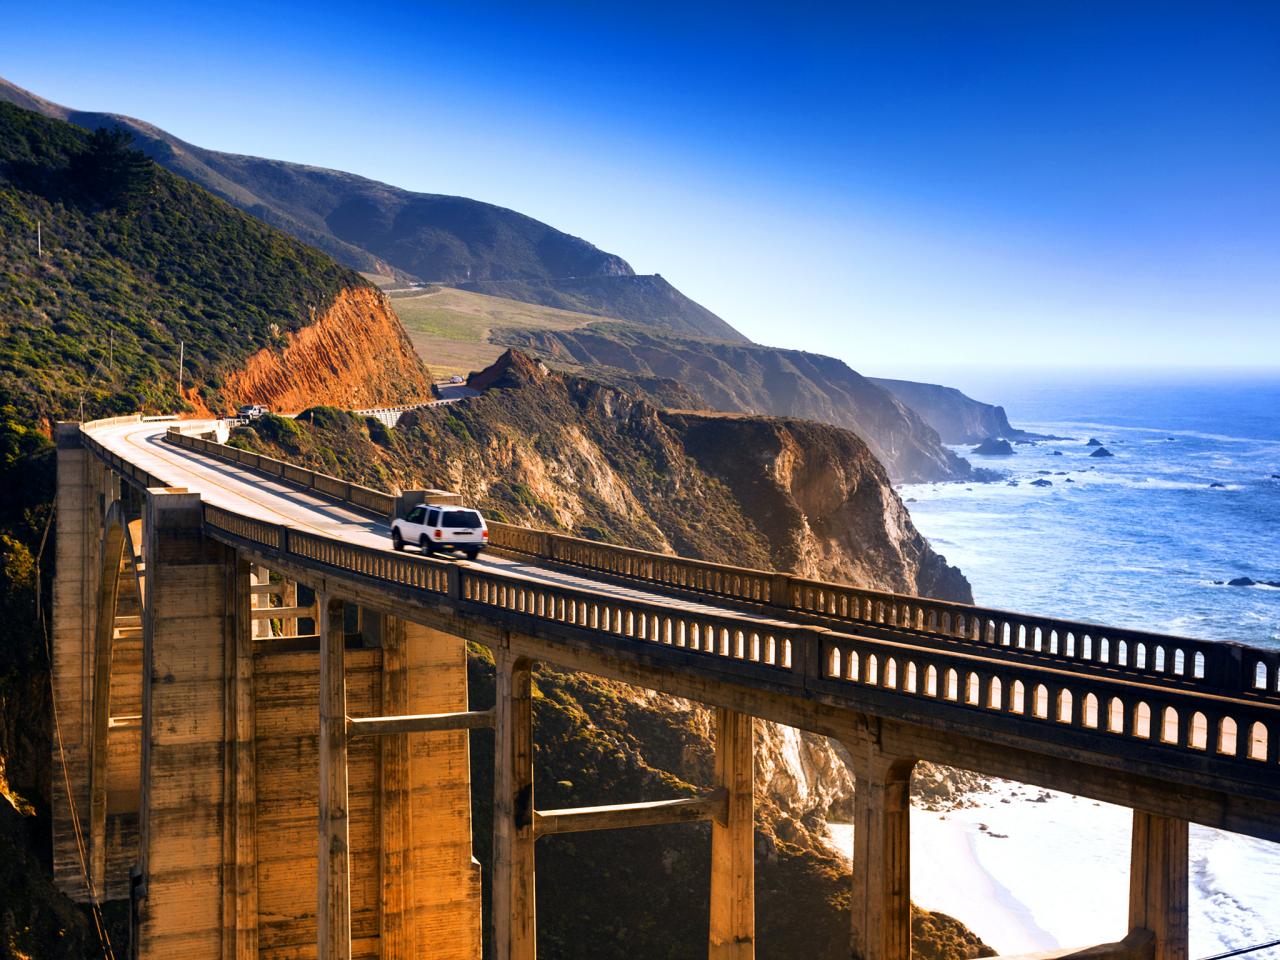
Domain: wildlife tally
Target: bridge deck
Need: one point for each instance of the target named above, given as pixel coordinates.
(1103, 730)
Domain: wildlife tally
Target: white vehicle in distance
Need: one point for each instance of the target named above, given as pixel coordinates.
(252, 411)
(434, 527)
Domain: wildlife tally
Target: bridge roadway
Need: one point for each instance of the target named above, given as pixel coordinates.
(1179, 746)
(247, 493)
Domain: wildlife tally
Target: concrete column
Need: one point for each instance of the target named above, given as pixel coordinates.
(1158, 882)
(104, 643)
(396, 929)
(240, 842)
(514, 910)
(180, 908)
(333, 905)
(881, 902)
(289, 598)
(74, 590)
(733, 887)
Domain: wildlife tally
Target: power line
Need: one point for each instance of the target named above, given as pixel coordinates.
(1243, 950)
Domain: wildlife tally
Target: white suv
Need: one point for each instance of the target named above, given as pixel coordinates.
(435, 528)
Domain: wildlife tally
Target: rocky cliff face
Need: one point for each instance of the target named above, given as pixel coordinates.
(748, 378)
(551, 450)
(355, 355)
(957, 418)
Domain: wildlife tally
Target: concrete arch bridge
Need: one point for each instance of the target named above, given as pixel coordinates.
(264, 712)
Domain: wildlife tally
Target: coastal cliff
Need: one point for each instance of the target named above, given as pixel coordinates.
(749, 378)
(957, 418)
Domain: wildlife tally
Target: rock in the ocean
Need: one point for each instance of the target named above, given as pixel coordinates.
(1069, 480)
(1057, 453)
(1242, 582)
(1217, 486)
(1102, 452)
(994, 447)
(1094, 442)
(1042, 482)
(1275, 476)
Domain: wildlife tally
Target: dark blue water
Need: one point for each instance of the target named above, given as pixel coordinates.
(1137, 539)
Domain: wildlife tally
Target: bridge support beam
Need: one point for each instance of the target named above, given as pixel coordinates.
(1158, 882)
(514, 905)
(333, 906)
(733, 886)
(881, 903)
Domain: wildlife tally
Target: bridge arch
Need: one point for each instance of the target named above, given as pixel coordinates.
(120, 575)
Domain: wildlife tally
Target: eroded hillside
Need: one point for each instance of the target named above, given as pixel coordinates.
(556, 451)
(750, 378)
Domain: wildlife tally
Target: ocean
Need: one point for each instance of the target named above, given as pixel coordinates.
(1142, 539)
(1147, 538)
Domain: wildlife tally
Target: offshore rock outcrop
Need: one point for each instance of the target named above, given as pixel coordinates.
(356, 354)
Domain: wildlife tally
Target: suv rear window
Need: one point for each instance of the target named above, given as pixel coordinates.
(460, 518)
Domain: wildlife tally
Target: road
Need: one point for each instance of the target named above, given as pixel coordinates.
(250, 494)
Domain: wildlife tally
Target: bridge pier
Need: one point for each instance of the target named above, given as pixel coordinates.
(1158, 882)
(514, 904)
(179, 911)
(733, 886)
(77, 502)
(333, 905)
(880, 908)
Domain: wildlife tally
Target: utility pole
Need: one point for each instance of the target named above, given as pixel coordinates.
(182, 346)
(111, 351)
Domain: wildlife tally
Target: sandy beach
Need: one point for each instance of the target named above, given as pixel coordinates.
(1028, 869)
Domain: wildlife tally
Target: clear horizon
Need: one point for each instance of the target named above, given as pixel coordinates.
(1064, 186)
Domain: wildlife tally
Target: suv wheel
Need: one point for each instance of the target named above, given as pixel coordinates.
(397, 541)
(426, 546)
(471, 552)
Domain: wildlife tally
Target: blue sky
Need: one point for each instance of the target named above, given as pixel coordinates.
(908, 186)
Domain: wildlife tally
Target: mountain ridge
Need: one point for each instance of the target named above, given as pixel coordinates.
(380, 228)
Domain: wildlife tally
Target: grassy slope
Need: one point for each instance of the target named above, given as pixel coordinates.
(451, 328)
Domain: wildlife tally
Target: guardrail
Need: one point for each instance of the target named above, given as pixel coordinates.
(1189, 730)
(1213, 666)
(366, 498)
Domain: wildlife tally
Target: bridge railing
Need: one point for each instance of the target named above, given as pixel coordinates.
(958, 688)
(366, 498)
(1178, 660)
(1216, 666)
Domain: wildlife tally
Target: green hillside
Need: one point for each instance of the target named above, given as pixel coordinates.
(436, 238)
(135, 260)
